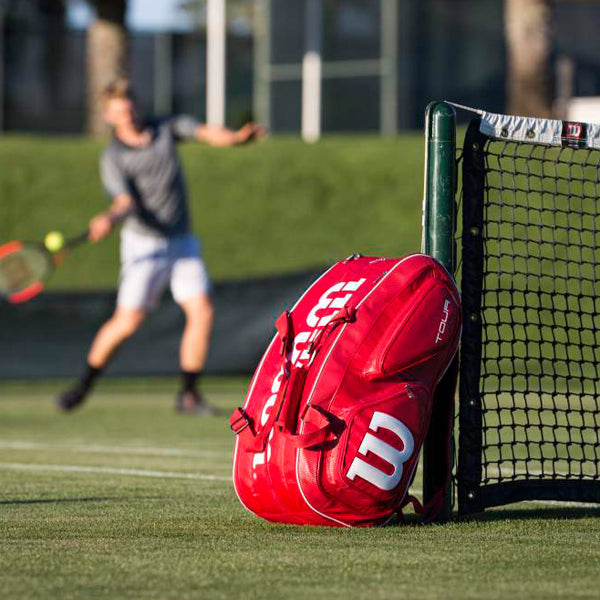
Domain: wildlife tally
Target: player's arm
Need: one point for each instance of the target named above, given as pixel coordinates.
(223, 137)
(122, 203)
(101, 225)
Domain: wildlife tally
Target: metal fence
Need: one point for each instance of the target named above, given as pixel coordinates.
(451, 49)
(45, 77)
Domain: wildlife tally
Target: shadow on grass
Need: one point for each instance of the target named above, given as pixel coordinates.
(17, 501)
(528, 514)
(516, 514)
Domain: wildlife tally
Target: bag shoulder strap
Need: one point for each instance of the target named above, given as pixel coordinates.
(442, 419)
(284, 412)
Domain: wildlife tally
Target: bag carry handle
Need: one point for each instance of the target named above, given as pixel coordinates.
(241, 422)
(290, 404)
(292, 379)
(285, 329)
(284, 412)
(320, 435)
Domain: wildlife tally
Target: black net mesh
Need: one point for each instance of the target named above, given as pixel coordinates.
(535, 259)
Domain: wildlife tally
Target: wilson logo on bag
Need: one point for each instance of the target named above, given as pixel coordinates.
(337, 411)
(395, 458)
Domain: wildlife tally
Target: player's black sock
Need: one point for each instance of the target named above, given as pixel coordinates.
(76, 395)
(189, 380)
(190, 400)
(88, 377)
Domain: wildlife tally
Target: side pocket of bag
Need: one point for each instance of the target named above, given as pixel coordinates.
(421, 336)
(365, 476)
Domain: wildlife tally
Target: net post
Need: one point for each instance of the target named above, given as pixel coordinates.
(439, 223)
(439, 227)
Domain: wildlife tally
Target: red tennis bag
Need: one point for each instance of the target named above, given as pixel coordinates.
(339, 406)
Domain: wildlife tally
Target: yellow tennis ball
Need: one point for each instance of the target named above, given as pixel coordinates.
(54, 241)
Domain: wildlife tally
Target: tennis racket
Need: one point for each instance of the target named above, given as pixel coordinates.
(26, 266)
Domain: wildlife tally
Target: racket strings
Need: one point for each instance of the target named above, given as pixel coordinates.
(22, 267)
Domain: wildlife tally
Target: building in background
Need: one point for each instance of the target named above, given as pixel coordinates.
(453, 49)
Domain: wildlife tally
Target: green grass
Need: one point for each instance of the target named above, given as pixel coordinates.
(125, 499)
(271, 207)
(68, 534)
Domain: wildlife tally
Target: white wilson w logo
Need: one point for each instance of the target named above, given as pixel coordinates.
(396, 458)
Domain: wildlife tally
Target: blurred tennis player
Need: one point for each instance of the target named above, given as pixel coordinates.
(141, 173)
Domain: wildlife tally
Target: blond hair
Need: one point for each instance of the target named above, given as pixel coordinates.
(119, 88)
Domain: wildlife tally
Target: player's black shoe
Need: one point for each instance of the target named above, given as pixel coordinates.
(72, 398)
(194, 403)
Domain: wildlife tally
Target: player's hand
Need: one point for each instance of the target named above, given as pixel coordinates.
(100, 226)
(250, 131)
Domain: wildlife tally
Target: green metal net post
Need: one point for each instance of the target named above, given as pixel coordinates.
(439, 227)
(439, 222)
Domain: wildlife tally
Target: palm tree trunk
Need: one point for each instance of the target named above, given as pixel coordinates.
(106, 56)
(527, 25)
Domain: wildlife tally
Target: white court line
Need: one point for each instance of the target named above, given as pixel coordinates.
(100, 449)
(110, 471)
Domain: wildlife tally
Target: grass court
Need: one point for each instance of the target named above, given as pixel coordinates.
(126, 499)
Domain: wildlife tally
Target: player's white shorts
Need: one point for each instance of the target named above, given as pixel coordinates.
(149, 264)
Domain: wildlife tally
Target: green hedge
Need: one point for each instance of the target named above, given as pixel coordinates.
(271, 207)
